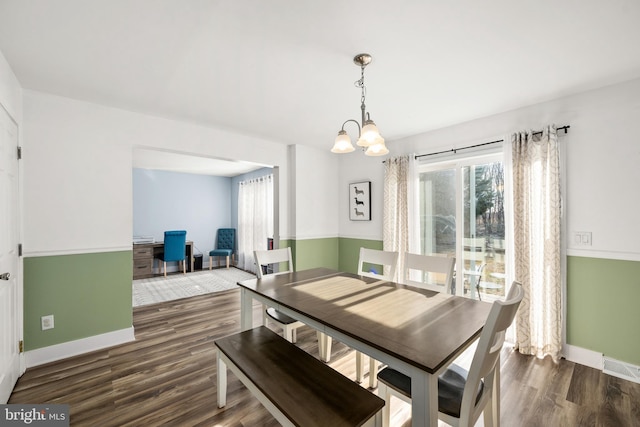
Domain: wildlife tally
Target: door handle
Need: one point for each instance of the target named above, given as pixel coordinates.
(5, 276)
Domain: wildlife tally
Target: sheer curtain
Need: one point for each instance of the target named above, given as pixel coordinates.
(255, 219)
(535, 169)
(399, 211)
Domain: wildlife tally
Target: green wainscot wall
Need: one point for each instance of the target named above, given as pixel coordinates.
(88, 294)
(602, 306)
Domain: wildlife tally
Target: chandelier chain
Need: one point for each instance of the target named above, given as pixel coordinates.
(360, 84)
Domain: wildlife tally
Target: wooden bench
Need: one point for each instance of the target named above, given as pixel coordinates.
(295, 387)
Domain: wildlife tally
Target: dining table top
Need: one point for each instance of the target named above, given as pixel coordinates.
(423, 328)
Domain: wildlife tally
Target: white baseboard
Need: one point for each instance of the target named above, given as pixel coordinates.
(52, 353)
(580, 355)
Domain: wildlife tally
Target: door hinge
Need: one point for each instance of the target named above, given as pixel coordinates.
(19, 249)
(19, 153)
(21, 346)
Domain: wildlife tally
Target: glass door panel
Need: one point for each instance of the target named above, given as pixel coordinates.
(483, 248)
(437, 215)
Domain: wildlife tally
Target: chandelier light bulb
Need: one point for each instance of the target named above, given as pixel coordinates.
(370, 134)
(342, 143)
(377, 149)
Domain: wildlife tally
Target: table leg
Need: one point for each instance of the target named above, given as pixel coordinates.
(246, 310)
(424, 400)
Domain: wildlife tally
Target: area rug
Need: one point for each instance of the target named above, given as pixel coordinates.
(160, 289)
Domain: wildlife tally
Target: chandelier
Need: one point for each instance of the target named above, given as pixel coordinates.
(368, 135)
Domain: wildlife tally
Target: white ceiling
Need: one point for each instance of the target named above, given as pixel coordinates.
(283, 70)
(184, 163)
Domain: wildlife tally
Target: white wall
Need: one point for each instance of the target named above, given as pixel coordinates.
(78, 163)
(10, 91)
(314, 184)
(356, 167)
(603, 158)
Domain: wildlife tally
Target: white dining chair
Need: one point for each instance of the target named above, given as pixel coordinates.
(464, 395)
(433, 272)
(265, 260)
(387, 261)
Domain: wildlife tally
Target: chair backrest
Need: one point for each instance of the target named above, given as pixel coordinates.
(388, 260)
(274, 256)
(436, 269)
(226, 238)
(487, 355)
(175, 245)
(475, 248)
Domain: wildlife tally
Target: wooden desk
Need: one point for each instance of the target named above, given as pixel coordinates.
(415, 331)
(145, 253)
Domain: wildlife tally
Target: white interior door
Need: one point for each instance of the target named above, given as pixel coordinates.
(9, 308)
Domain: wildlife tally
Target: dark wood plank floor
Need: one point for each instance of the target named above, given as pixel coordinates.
(168, 377)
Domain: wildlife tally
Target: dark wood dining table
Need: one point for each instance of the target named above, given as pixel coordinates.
(416, 331)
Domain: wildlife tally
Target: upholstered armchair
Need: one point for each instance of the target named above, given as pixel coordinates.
(225, 246)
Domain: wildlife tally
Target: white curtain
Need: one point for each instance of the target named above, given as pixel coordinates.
(255, 219)
(399, 211)
(535, 170)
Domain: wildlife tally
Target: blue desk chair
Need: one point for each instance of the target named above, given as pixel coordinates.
(175, 249)
(225, 246)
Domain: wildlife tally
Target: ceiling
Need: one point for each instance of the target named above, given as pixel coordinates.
(184, 163)
(283, 70)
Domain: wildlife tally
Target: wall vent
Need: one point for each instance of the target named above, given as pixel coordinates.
(622, 370)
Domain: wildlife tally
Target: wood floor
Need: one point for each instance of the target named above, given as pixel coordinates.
(167, 377)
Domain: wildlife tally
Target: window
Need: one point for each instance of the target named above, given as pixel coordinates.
(462, 214)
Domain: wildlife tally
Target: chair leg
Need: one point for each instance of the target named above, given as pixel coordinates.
(324, 346)
(164, 268)
(287, 331)
(227, 262)
(210, 262)
(359, 366)
(184, 266)
(265, 320)
(383, 393)
(373, 372)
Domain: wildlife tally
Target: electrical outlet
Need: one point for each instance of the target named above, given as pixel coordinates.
(582, 238)
(46, 322)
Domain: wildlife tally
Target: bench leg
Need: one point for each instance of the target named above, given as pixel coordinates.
(375, 421)
(221, 382)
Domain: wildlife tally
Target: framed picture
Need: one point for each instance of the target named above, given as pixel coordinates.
(360, 201)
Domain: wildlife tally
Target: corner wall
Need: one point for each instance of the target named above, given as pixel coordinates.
(602, 169)
(78, 205)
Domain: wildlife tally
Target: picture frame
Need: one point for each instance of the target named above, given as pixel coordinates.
(360, 201)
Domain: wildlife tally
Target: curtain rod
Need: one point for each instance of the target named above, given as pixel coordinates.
(454, 150)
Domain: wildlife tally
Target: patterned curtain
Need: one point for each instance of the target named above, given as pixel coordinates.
(537, 250)
(255, 219)
(398, 212)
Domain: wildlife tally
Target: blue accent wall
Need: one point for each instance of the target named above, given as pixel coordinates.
(165, 200)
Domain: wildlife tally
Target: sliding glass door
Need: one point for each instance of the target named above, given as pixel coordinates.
(462, 215)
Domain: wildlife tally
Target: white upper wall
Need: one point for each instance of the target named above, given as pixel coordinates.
(603, 154)
(78, 169)
(10, 91)
(314, 181)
